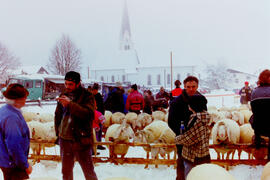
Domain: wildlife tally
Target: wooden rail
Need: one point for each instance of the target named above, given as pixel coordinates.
(140, 160)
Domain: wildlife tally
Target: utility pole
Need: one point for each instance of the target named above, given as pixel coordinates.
(171, 73)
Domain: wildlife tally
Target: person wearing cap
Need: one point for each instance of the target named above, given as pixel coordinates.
(245, 94)
(14, 135)
(74, 117)
(135, 100)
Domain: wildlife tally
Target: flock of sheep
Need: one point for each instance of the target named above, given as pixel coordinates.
(229, 126)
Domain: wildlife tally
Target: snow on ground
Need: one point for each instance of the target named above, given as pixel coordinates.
(137, 172)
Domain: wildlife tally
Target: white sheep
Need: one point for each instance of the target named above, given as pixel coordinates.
(247, 114)
(216, 116)
(131, 118)
(118, 118)
(45, 117)
(158, 115)
(43, 131)
(246, 134)
(108, 119)
(209, 172)
(266, 172)
(29, 116)
(156, 132)
(225, 131)
(238, 117)
(143, 120)
(119, 133)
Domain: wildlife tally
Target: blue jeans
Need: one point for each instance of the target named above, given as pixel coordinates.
(188, 166)
(70, 150)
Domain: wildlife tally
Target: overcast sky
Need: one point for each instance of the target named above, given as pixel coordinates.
(196, 31)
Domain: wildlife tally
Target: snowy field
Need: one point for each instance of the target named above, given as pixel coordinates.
(137, 172)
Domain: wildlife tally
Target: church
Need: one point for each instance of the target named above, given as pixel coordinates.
(128, 68)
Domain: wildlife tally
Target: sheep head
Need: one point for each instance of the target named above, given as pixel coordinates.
(222, 132)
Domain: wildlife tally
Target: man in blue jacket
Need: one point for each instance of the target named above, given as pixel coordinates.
(14, 135)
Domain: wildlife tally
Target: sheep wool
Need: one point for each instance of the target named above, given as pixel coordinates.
(209, 172)
(232, 132)
(119, 133)
(29, 116)
(131, 118)
(247, 115)
(238, 117)
(154, 130)
(108, 117)
(246, 134)
(266, 172)
(158, 115)
(118, 118)
(143, 120)
(45, 117)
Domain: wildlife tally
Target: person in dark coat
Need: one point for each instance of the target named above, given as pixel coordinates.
(161, 100)
(260, 103)
(74, 117)
(115, 100)
(179, 115)
(245, 94)
(148, 102)
(14, 135)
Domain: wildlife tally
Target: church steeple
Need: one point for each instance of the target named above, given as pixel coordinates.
(125, 33)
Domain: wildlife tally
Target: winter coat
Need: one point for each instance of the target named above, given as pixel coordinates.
(245, 94)
(176, 92)
(115, 101)
(135, 101)
(260, 103)
(14, 138)
(98, 120)
(79, 114)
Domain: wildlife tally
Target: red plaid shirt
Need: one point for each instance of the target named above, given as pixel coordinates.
(195, 141)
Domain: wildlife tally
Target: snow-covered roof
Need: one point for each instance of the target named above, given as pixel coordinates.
(39, 76)
(31, 70)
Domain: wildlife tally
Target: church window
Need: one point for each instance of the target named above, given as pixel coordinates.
(168, 79)
(112, 78)
(149, 80)
(102, 78)
(158, 79)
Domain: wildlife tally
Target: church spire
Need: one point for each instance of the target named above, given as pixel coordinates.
(125, 33)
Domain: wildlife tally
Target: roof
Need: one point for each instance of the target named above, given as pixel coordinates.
(31, 70)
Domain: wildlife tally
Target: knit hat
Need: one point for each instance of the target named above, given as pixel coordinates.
(73, 76)
(246, 82)
(15, 91)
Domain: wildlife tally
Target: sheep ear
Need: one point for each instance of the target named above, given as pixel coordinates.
(229, 135)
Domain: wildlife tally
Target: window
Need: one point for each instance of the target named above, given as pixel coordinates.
(188, 74)
(123, 78)
(102, 78)
(236, 81)
(248, 77)
(38, 84)
(158, 79)
(149, 80)
(168, 79)
(28, 84)
(112, 78)
(179, 77)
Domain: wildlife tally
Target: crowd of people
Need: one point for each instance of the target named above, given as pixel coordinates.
(81, 110)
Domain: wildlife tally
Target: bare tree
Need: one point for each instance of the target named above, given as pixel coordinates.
(65, 57)
(217, 76)
(8, 62)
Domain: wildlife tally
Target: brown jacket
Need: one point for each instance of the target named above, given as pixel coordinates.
(81, 113)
